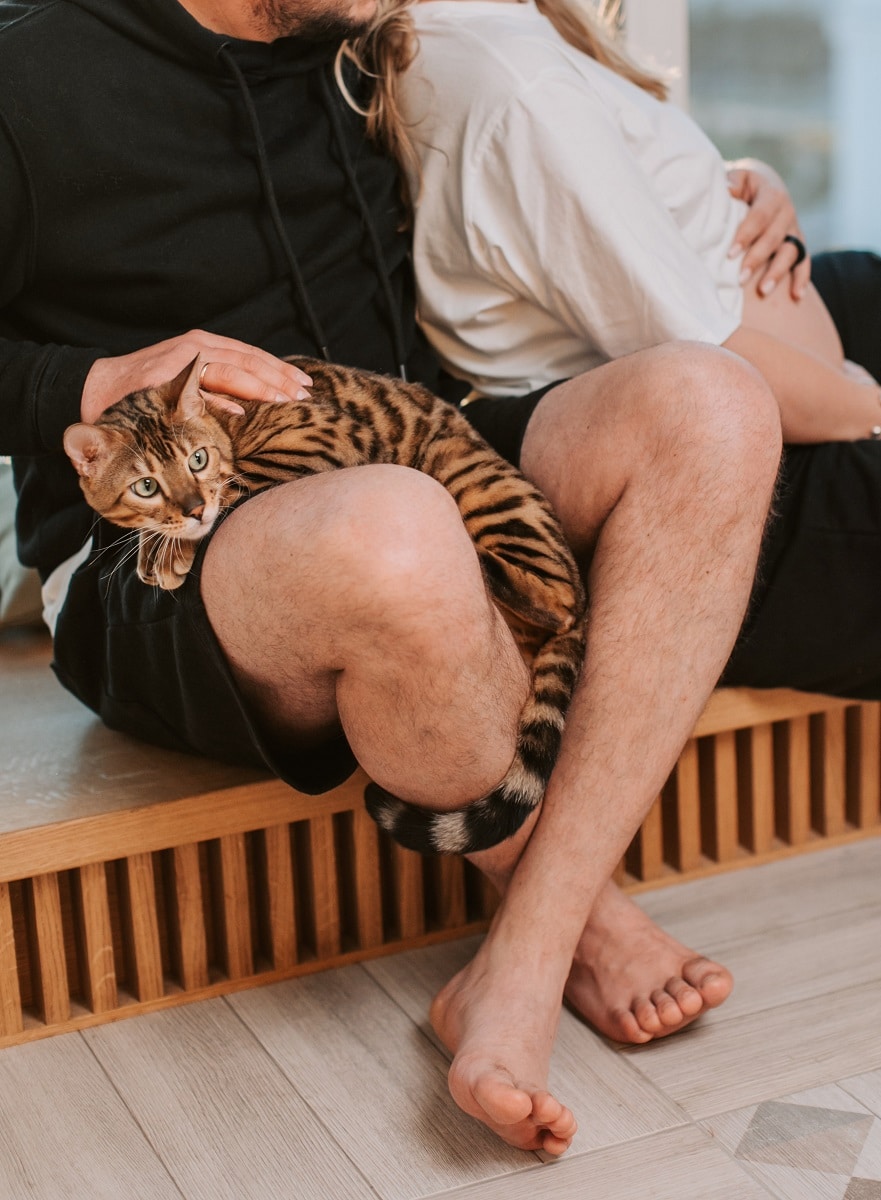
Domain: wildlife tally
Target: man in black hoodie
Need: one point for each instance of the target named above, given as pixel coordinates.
(184, 179)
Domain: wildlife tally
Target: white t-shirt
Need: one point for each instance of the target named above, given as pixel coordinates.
(566, 217)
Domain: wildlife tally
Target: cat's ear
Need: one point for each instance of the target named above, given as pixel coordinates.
(89, 446)
(190, 401)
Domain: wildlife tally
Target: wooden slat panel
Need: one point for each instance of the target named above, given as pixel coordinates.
(95, 938)
(141, 926)
(828, 773)
(109, 835)
(738, 708)
(187, 918)
(487, 896)
(756, 776)
(51, 988)
(10, 992)
(409, 904)
(325, 886)
(450, 884)
(688, 809)
(793, 792)
(864, 766)
(279, 883)
(368, 880)
(645, 858)
(721, 801)
(235, 908)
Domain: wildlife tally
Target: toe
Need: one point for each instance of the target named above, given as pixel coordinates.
(688, 998)
(500, 1099)
(551, 1144)
(626, 1028)
(713, 981)
(647, 1017)
(546, 1109)
(669, 1013)
(554, 1116)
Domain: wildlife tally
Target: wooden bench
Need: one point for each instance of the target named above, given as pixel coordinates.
(133, 879)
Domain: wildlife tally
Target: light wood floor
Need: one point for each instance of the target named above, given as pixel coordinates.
(332, 1086)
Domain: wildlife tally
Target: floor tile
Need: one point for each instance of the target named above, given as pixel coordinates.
(819, 1144)
(679, 1164)
(718, 1065)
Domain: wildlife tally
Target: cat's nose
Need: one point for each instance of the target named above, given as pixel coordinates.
(195, 509)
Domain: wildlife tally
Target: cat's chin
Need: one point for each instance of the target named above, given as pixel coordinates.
(197, 531)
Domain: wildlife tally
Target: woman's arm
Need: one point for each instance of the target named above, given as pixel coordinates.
(818, 402)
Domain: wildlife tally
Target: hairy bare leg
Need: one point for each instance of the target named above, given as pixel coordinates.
(661, 468)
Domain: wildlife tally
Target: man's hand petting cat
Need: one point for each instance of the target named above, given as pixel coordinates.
(229, 369)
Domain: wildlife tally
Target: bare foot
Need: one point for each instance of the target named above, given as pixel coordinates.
(632, 981)
(501, 1027)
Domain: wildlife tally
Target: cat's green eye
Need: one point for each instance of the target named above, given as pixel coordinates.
(145, 487)
(198, 460)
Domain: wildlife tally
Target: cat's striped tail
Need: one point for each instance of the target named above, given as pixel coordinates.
(497, 816)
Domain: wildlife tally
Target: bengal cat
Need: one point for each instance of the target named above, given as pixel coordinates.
(165, 461)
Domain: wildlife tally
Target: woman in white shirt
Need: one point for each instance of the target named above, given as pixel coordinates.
(565, 216)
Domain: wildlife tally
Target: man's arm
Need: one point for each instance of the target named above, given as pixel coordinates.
(46, 387)
(40, 385)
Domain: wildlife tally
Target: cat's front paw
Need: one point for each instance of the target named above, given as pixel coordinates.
(165, 566)
(166, 580)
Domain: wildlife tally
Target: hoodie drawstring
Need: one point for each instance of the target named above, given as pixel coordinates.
(272, 203)
(376, 246)
(268, 189)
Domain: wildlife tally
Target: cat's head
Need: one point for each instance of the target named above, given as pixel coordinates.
(156, 460)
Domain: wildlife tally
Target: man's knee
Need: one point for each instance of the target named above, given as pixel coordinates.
(365, 557)
(708, 401)
(381, 547)
(681, 416)
(399, 530)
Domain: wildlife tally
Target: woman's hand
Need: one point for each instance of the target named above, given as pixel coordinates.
(229, 369)
(760, 237)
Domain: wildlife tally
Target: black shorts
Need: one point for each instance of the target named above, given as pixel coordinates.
(815, 617)
(148, 663)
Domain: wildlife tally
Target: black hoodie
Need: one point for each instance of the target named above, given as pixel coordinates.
(156, 177)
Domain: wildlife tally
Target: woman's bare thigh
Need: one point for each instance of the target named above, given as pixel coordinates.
(805, 323)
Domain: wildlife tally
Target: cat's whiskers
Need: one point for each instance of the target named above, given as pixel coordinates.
(241, 489)
(130, 551)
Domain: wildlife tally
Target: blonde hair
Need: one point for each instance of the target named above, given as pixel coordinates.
(390, 45)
